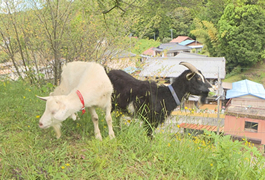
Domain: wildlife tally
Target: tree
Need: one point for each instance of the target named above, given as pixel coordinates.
(181, 20)
(213, 10)
(42, 34)
(242, 35)
(207, 34)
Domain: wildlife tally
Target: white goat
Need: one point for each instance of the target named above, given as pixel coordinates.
(91, 80)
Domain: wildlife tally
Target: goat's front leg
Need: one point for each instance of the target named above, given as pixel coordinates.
(74, 117)
(94, 117)
(109, 121)
(57, 128)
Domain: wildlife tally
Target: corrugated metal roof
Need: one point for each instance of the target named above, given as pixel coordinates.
(201, 127)
(169, 66)
(186, 42)
(246, 87)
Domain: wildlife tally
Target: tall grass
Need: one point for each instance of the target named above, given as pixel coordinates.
(28, 152)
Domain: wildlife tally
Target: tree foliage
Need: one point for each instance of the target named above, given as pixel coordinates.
(242, 35)
(40, 34)
(207, 34)
(48, 33)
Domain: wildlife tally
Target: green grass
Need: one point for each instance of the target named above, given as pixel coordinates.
(28, 152)
(254, 73)
(143, 45)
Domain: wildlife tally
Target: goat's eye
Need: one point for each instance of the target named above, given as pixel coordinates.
(199, 79)
(53, 112)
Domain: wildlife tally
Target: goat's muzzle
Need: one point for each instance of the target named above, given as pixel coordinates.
(204, 95)
(40, 125)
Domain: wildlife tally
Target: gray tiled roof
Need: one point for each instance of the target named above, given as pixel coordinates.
(189, 55)
(171, 47)
(169, 67)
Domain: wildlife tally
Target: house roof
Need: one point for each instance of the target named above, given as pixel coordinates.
(149, 52)
(252, 112)
(171, 47)
(169, 66)
(180, 39)
(196, 47)
(189, 55)
(186, 42)
(130, 69)
(246, 87)
(125, 54)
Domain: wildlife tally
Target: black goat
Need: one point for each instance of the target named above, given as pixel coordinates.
(152, 102)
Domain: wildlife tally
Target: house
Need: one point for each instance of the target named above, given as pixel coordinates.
(193, 44)
(245, 114)
(168, 67)
(187, 41)
(170, 49)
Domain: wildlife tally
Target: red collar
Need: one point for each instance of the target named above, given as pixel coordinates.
(82, 101)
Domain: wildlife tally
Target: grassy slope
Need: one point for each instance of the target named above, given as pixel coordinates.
(143, 45)
(28, 152)
(255, 73)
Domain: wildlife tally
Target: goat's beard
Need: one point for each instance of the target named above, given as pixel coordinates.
(203, 97)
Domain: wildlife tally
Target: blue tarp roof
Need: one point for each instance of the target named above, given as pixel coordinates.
(246, 87)
(131, 69)
(186, 42)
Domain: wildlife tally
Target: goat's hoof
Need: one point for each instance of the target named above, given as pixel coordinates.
(99, 137)
(111, 135)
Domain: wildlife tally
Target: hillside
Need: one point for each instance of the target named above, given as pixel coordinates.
(255, 73)
(28, 152)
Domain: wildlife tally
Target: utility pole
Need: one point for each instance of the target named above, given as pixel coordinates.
(218, 102)
(130, 42)
(171, 33)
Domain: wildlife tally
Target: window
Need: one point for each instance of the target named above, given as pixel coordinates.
(251, 126)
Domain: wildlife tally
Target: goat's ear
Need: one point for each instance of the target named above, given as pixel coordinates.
(43, 98)
(189, 76)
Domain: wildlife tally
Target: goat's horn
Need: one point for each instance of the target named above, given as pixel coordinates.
(43, 98)
(189, 66)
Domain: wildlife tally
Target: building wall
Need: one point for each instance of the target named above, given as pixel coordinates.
(195, 44)
(248, 101)
(236, 126)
